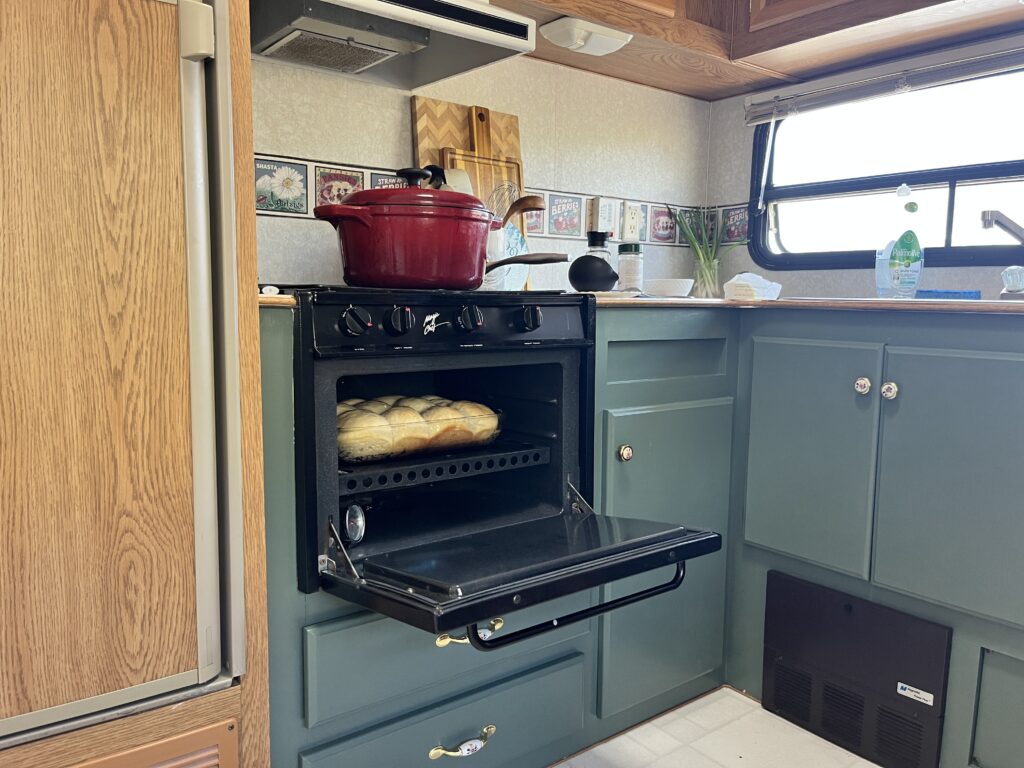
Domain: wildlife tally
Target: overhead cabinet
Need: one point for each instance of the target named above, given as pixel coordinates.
(890, 462)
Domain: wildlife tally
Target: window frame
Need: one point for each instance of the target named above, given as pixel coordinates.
(947, 255)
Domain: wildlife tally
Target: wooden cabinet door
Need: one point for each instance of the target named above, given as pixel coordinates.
(949, 522)
(97, 552)
(660, 7)
(765, 13)
(679, 473)
(813, 442)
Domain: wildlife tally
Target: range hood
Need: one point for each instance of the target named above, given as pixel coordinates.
(400, 43)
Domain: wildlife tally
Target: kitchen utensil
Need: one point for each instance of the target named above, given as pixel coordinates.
(502, 197)
(522, 205)
(668, 287)
(412, 237)
(530, 258)
(592, 273)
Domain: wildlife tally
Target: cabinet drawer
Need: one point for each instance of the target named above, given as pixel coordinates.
(395, 660)
(528, 711)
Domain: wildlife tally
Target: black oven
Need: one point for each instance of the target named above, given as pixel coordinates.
(445, 539)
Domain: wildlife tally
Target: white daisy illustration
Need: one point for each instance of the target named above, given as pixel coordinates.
(286, 183)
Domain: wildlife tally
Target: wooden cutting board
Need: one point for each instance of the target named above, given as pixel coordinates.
(440, 124)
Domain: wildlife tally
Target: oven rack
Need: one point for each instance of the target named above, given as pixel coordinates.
(501, 456)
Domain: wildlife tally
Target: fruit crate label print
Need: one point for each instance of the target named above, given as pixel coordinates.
(333, 184)
(281, 187)
(565, 215)
(663, 225)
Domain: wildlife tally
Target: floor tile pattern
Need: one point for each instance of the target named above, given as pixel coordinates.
(724, 729)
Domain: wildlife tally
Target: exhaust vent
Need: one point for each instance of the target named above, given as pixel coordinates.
(340, 55)
(842, 715)
(793, 692)
(899, 739)
(865, 677)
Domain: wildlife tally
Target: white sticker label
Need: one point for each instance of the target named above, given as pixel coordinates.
(916, 694)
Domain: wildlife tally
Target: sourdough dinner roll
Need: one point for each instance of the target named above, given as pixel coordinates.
(363, 435)
(373, 406)
(389, 399)
(353, 401)
(481, 420)
(447, 427)
(341, 408)
(409, 431)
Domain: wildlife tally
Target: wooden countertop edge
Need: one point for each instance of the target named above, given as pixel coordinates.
(877, 305)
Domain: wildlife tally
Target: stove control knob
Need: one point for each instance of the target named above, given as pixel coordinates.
(355, 321)
(529, 318)
(399, 321)
(470, 318)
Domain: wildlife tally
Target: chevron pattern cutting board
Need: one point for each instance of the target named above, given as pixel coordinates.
(441, 124)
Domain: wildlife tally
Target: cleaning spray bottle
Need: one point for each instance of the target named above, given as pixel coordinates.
(904, 255)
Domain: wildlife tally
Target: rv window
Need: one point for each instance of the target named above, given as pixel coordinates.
(829, 200)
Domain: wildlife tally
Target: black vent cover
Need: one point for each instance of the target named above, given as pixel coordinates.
(863, 676)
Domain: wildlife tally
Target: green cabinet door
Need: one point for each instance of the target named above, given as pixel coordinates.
(813, 444)
(679, 472)
(949, 516)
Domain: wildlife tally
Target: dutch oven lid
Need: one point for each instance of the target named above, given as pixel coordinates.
(414, 194)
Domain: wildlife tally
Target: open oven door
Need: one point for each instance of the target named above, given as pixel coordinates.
(463, 581)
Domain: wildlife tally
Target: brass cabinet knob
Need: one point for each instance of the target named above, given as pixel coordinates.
(862, 385)
(625, 452)
(890, 390)
(466, 748)
(445, 639)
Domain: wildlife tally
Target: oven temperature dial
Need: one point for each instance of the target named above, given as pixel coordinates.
(355, 321)
(399, 321)
(529, 318)
(469, 319)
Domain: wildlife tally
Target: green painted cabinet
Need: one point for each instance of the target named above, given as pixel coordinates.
(813, 438)
(999, 722)
(679, 472)
(664, 386)
(949, 519)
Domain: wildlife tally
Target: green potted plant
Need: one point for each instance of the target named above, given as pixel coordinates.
(705, 239)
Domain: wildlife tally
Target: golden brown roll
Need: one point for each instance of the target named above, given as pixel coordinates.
(363, 435)
(409, 431)
(389, 399)
(341, 408)
(480, 419)
(418, 404)
(353, 401)
(447, 427)
(373, 406)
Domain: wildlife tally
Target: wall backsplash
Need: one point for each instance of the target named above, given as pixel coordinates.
(582, 134)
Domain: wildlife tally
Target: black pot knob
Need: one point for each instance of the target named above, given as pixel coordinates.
(413, 176)
(355, 321)
(469, 319)
(529, 318)
(399, 321)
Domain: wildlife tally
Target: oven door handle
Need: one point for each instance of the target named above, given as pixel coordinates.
(493, 643)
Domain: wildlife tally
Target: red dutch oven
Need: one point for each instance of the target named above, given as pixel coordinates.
(413, 237)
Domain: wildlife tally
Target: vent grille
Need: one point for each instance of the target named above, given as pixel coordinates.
(208, 757)
(899, 739)
(337, 54)
(793, 692)
(842, 714)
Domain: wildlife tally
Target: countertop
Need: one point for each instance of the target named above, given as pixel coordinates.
(907, 305)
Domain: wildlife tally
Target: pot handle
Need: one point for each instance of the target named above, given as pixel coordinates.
(336, 213)
(530, 258)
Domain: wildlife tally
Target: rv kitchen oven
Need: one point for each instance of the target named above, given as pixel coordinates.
(444, 449)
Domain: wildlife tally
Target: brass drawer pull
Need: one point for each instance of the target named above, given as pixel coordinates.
(466, 748)
(445, 639)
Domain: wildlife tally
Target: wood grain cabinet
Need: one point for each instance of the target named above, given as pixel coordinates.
(892, 462)
(661, 7)
(111, 406)
(664, 385)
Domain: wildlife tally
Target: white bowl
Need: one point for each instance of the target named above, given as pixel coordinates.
(668, 287)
